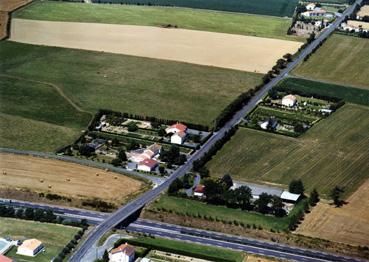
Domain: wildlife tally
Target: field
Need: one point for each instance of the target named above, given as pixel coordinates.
(54, 237)
(188, 249)
(205, 20)
(246, 53)
(352, 220)
(364, 11)
(66, 179)
(7, 6)
(265, 7)
(348, 94)
(129, 84)
(268, 158)
(341, 60)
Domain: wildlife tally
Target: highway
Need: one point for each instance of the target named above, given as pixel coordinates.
(133, 206)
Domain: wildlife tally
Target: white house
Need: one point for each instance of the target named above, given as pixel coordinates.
(289, 100)
(30, 247)
(178, 138)
(310, 7)
(147, 165)
(176, 128)
(123, 253)
(314, 13)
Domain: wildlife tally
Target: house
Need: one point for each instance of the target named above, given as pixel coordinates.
(139, 155)
(289, 100)
(310, 7)
(96, 143)
(176, 128)
(147, 165)
(290, 197)
(314, 13)
(152, 150)
(30, 247)
(199, 191)
(271, 123)
(178, 138)
(5, 259)
(123, 253)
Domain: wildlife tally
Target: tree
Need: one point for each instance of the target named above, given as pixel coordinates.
(19, 213)
(296, 187)
(176, 185)
(214, 191)
(86, 150)
(277, 207)
(242, 197)
(116, 162)
(314, 197)
(336, 194)
(49, 216)
(186, 181)
(132, 127)
(227, 181)
(162, 132)
(105, 257)
(39, 215)
(29, 213)
(262, 203)
(132, 145)
(122, 155)
(299, 128)
(161, 169)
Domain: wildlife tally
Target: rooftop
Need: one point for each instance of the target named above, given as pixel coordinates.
(31, 244)
(127, 249)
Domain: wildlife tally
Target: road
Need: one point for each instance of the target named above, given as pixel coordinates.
(133, 206)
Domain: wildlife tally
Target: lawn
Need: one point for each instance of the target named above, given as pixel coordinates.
(264, 7)
(143, 86)
(348, 94)
(342, 60)
(188, 249)
(213, 21)
(54, 237)
(333, 152)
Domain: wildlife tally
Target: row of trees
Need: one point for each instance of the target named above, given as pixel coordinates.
(70, 246)
(28, 214)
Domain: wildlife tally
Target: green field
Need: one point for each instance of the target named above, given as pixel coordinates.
(341, 60)
(264, 7)
(333, 152)
(95, 80)
(189, 249)
(348, 94)
(183, 206)
(54, 237)
(234, 23)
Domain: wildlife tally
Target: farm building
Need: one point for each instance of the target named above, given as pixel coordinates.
(147, 165)
(289, 197)
(123, 253)
(289, 100)
(30, 247)
(142, 154)
(314, 13)
(199, 191)
(5, 259)
(178, 138)
(176, 128)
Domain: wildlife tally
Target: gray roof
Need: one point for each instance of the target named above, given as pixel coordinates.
(257, 190)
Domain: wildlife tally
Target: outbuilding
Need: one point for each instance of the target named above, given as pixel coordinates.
(290, 197)
(30, 247)
(178, 138)
(289, 100)
(147, 165)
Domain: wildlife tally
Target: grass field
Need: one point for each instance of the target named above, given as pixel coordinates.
(54, 237)
(66, 179)
(348, 94)
(213, 21)
(265, 7)
(341, 60)
(129, 84)
(333, 152)
(189, 248)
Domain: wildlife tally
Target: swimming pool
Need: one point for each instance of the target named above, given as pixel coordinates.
(4, 246)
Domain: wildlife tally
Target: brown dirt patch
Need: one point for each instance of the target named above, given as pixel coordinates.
(246, 53)
(7, 6)
(67, 179)
(347, 224)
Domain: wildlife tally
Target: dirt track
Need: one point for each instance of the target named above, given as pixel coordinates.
(348, 224)
(37, 174)
(247, 53)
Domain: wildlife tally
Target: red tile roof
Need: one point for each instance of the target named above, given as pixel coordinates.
(149, 162)
(200, 189)
(128, 249)
(5, 259)
(180, 127)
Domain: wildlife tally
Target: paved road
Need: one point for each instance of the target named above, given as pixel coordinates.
(154, 179)
(125, 211)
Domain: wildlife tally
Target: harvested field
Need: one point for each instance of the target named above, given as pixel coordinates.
(352, 220)
(364, 11)
(358, 24)
(246, 53)
(66, 179)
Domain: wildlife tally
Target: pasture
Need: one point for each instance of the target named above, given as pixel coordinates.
(184, 18)
(341, 60)
(352, 219)
(53, 236)
(142, 86)
(66, 179)
(321, 163)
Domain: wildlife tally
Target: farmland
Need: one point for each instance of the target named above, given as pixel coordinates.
(352, 219)
(73, 181)
(129, 84)
(265, 7)
(342, 60)
(212, 21)
(263, 157)
(54, 237)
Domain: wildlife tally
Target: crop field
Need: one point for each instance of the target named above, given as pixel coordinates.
(348, 94)
(31, 108)
(268, 158)
(54, 237)
(184, 18)
(246, 53)
(342, 60)
(264, 7)
(352, 219)
(64, 178)
(129, 84)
